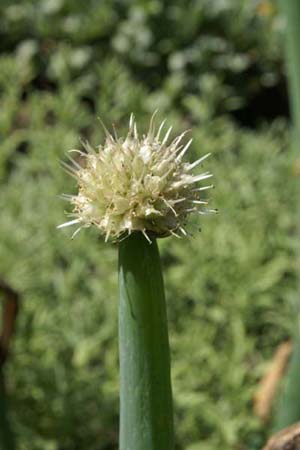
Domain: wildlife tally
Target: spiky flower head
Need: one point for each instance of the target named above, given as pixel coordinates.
(139, 183)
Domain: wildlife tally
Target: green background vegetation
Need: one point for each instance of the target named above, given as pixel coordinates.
(216, 67)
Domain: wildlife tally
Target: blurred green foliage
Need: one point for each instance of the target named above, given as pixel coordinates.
(225, 52)
(62, 64)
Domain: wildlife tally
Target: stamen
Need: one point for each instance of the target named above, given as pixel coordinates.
(131, 121)
(204, 176)
(198, 202)
(88, 147)
(170, 206)
(70, 171)
(107, 133)
(76, 232)
(179, 200)
(74, 150)
(178, 139)
(159, 130)
(67, 197)
(74, 162)
(183, 231)
(151, 125)
(185, 148)
(146, 236)
(199, 161)
(167, 136)
(175, 234)
(203, 188)
(67, 224)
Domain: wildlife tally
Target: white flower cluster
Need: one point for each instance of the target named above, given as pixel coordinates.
(137, 184)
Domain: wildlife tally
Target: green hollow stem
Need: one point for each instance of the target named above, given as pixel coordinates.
(288, 411)
(288, 407)
(291, 12)
(6, 436)
(146, 410)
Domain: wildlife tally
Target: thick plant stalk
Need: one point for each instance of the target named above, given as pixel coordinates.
(291, 11)
(146, 412)
(288, 411)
